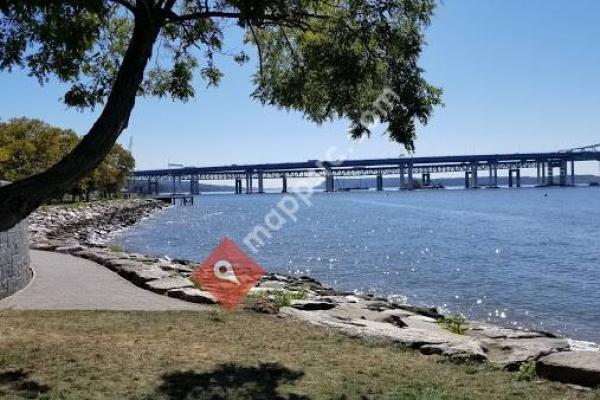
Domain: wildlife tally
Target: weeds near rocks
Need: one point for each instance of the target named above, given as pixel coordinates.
(115, 248)
(280, 298)
(526, 371)
(455, 323)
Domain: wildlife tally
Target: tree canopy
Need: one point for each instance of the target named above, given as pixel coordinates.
(328, 59)
(30, 146)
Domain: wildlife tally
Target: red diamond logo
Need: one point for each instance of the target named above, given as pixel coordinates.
(228, 274)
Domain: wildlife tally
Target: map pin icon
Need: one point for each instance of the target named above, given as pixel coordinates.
(223, 270)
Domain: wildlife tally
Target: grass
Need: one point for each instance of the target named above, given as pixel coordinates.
(184, 355)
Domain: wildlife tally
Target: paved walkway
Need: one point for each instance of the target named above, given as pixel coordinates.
(64, 282)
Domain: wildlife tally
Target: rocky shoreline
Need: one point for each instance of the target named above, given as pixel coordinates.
(84, 232)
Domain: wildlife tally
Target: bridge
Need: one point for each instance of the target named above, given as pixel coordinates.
(553, 169)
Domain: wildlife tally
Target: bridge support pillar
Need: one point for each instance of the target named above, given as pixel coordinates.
(174, 184)
(572, 172)
(402, 178)
(493, 171)
(426, 179)
(379, 180)
(150, 188)
(467, 179)
(474, 180)
(496, 176)
(248, 182)
(550, 174)
(284, 184)
(329, 182)
(539, 174)
(260, 183)
(238, 186)
(516, 179)
(563, 173)
(194, 189)
(543, 168)
(410, 177)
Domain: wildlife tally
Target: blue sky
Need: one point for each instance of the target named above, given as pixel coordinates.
(518, 75)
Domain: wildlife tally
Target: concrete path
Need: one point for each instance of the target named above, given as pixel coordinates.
(64, 282)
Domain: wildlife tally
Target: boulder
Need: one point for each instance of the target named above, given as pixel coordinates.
(496, 332)
(45, 246)
(313, 305)
(510, 353)
(192, 295)
(69, 249)
(576, 367)
(274, 285)
(164, 285)
(98, 256)
(418, 334)
(148, 274)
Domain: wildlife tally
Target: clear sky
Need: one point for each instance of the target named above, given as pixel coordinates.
(518, 75)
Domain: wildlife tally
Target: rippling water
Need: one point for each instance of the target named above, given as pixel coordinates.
(526, 257)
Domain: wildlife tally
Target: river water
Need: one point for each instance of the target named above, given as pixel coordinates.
(522, 257)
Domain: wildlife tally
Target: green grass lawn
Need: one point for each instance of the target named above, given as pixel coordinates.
(118, 355)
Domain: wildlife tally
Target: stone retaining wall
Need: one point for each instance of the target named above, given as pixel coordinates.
(14, 259)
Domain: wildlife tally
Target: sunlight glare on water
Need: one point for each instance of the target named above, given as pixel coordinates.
(515, 257)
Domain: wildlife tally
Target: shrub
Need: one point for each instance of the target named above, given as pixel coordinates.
(526, 371)
(455, 323)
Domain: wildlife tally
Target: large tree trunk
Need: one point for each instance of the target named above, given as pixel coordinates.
(20, 198)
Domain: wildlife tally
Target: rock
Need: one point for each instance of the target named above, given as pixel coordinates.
(395, 320)
(428, 312)
(164, 285)
(495, 332)
(192, 295)
(261, 305)
(461, 351)
(576, 367)
(98, 256)
(275, 285)
(510, 353)
(312, 305)
(69, 249)
(46, 246)
(177, 267)
(119, 264)
(417, 334)
(149, 274)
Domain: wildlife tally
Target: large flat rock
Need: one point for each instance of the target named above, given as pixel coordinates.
(166, 284)
(419, 333)
(577, 367)
(193, 295)
(510, 353)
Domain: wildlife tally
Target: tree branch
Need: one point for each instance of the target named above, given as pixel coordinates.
(173, 17)
(125, 4)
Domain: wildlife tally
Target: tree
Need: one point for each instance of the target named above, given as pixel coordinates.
(327, 59)
(30, 146)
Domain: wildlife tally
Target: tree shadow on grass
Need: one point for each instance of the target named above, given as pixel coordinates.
(17, 382)
(230, 381)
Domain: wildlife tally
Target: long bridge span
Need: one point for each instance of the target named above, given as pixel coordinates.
(553, 169)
